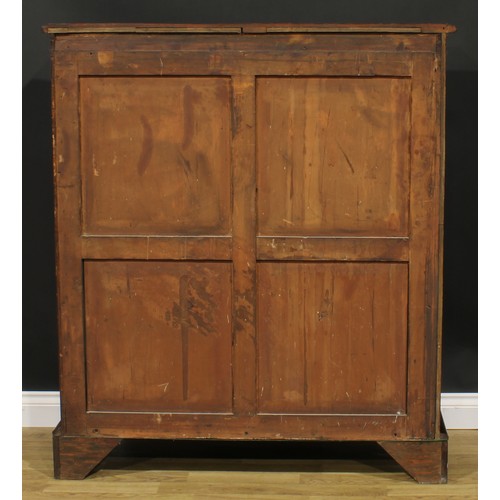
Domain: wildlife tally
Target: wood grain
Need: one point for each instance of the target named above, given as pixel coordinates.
(442, 165)
(424, 255)
(76, 456)
(84, 47)
(69, 280)
(263, 426)
(295, 60)
(332, 158)
(158, 336)
(425, 461)
(244, 262)
(157, 247)
(62, 28)
(165, 169)
(329, 337)
(332, 248)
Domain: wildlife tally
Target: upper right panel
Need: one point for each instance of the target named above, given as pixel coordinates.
(333, 156)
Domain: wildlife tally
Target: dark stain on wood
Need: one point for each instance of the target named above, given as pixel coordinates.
(243, 315)
(429, 338)
(373, 322)
(66, 154)
(195, 307)
(346, 158)
(371, 116)
(235, 120)
(189, 97)
(182, 317)
(326, 308)
(430, 187)
(222, 94)
(147, 146)
(186, 164)
(193, 312)
(304, 326)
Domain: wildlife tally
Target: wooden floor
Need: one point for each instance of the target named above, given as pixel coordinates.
(356, 471)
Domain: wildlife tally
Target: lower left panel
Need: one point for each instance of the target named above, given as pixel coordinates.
(158, 336)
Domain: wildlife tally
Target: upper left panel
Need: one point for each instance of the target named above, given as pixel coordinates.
(155, 155)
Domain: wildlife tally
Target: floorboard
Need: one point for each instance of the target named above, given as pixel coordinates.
(256, 471)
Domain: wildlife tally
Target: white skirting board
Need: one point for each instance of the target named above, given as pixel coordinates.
(41, 409)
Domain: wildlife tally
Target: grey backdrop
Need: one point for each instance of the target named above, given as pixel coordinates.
(460, 266)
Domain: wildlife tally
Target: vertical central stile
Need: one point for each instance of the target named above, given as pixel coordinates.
(244, 256)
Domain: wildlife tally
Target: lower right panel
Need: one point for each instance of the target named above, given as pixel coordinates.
(332, 337)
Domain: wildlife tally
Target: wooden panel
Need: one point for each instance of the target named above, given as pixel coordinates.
(332, 248)
(332, 337)
(157, 247)
(333, 156)
(158, 336)
(155, 155)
